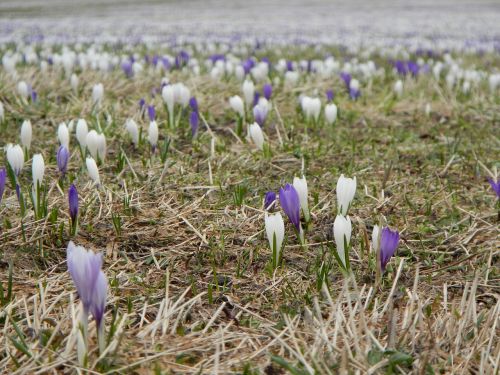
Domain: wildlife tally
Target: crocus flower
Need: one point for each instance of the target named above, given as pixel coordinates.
(133, 130)
(15, 157)
(248, 91)
(193, 103)
(256, 97)
(97, 94)
(346, 77)
(2, 112)
(73, 82)
(290, 201)
(73, 203)
(63, 135)
(38, 169)
(260, 113)
(127, 68)
(256, 135)
(495, 186)
(194, 122)
(62, 158)
(96, 144)
(151, 112)
(3, 178)
(269, 200)
(342, 229)
(346, 188)
(389, 241)
(26, 134)
(354, 91)
(237, 105)
(375, 238)
(275, 230)
(23, 89)
(300, 185)
(267, 90)
(398, 88)
(153, 134)
(142, 102)
(82, 131)
(329, 95)
(331, 113)
(34, 96)
(92, 170)
(168, 97)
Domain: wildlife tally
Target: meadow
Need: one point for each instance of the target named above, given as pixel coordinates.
(209, 262)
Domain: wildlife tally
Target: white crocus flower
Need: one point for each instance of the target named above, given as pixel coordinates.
(398, 88)
(153, 134)
(23, 89)
(346, 188)
(63, 135)
(82, 131)
(92, 170)
(237, 105)
(133, 130)
(300, 184)
(15, 157)
(331, 113)
(275, 229)
(342, 229)
(97, 94)
(375, 238)
(248, 92)
(26, 134)
(256, 135)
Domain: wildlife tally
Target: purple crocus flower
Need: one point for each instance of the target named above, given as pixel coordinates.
(269, 200)
(34, 96)
(256, 97)
(413, 68)
(289, 66)
(62, 158)
(289, 200)
(354, 93)
(127, 68)
(260, 114)
(329, 95)
(193, 103)
(151, 112)
(3, 178)
(98, 304)
(346, 77)
(267, 90)
(494, 185)
(142, 102)
(194, 122)
(389, 241)
(73, 203)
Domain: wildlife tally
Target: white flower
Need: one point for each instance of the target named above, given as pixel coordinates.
(23, 89)
(96, 144)
(15, 157)
(153, 134)
(74, 80)
(354, 84)
(248, 91)
(237, 105)
(428, 109)
(2, 112)
(346, 188)
(133, 130)
(63, 135)
(168, 97)
(256, 135)
(311, 107)
(239, 72)
(92, 170)
(342, 229)
(26, 134)
(331, 113)
(300, 184)
(97, 94)
(82, 131)
(275, 227)
(37, 169)
(398, 88)
(375, 238)
(291, 78)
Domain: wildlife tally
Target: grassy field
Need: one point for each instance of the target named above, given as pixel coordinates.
(181, 230)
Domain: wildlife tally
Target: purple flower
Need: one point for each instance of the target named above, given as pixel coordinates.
(193, 103)
(329, 95)
(413, 68)
(289, 200)
(34, 96)
(142, 102)
(98, 304)
(389, 241)
(127, 68)
(267, 90)
(3, 177)
(62, 159)
(354, 93)
(194, 122)
(260, 114)
(256, 97)
(269, 200)
(289, 66)
(248, 65)
(73, 202)
(494, 185)
(346, 77)
(151, 112)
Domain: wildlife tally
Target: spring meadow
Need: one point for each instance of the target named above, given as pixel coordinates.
(269, 188)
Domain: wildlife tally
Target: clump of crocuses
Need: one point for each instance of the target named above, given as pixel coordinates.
(91, 284)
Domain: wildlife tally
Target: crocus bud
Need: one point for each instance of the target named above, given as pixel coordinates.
(153, 134)
(346, 188)
(290, 201)
(151, 112)
(495, 185)
(63, 135)
(329, 96)
(269, 200)
(300, 184)
(96, 144)
(168, 97)
(73, 203)
(342, 233)
(193, 103)
(236, 104)
(389, 241)
(34, 96)
(267, 90)
(331, 113)
(74, 82)
(257, 136)
(97, 94)
(82, 131)
(92, 170)
(26, 134)
(354, 91)
(15, 157)
(3, 178)
(133, 130)
(38, 169)
(398, 88)
(23, 89)
(375, 238)
(275, 230)
(194, 122)
(62, 159)
(2, 112)
(260, 113)
(248, 92)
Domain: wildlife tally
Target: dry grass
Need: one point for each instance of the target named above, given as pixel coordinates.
(190, 288)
